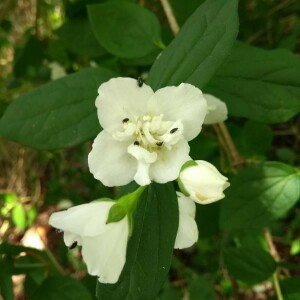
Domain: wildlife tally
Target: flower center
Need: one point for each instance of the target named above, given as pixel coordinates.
(147, 137)
(150, 132)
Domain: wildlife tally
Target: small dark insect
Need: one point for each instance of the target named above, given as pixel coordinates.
(159, 143)
(140, 81)
(74, 244)
(136, 143)
(125, 120)
(173, 130)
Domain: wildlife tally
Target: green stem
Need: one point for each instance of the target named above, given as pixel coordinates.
(277, 286)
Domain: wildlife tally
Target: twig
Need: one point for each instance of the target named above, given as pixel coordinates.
(274, 253)
(170, 16)
(230, 148)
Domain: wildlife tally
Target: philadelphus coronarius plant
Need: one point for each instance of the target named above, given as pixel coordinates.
(145, 134)
(145, 138)
(202, 182)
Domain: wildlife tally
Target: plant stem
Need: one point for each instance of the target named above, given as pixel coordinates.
(170, 16)
(229, 146)
(274, 253)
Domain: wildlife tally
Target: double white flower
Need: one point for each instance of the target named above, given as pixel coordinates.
(145, 134)
(103, 245)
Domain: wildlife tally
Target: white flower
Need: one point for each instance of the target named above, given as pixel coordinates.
(202, 182)
(145, 134)
(187, 234)
(103, 245)
(216, 110)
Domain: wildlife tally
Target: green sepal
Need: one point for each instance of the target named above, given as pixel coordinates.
(181, 187)
(125, 206)
(188, 164)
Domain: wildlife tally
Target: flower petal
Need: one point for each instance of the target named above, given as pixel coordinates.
(187, 234)
(144, 159)
(167, 166)
(185, 103)
(118, 99)
(217, 110)
(110, 162)
(70, 238)
(84, 220)
(105, 254)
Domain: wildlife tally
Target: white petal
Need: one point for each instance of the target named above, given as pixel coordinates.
(82, 220)
(110, 162)
(185, 103)
(121, 98)
(105, 254)
(70, 238)
(187, 234)
(144, 159)
(217, 110)
(169, 162)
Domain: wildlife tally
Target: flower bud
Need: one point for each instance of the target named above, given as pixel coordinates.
(202, 182)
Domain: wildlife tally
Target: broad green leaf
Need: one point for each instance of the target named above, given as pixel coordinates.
(6, 284)
(125, 29)
(255, 139)
(199, 48)
(261, 85)
(150, 248)
(291, 288)
(249, 264)
(201, 288)
(59, 114)
(260, 194)
(62, 288)
(86, 45)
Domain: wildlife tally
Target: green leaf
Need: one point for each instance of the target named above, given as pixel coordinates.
(261, 85)
(6, 284)
(250, 264)
(39, 256)
(291, 288)
(86, 45)
(201, 288)
(150, 248)
(62, 288)
(260, 194)
(200, 47)
(125, 29)
(59, 114)
(19, 216)
(256, 138)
